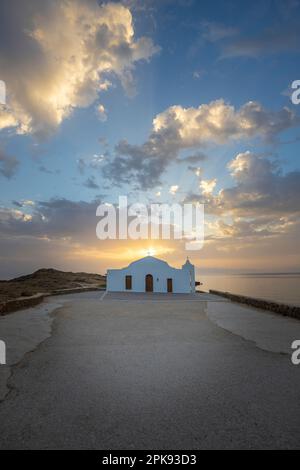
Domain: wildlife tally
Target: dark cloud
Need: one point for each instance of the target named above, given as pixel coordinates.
(56, 219)
(91, 183)
(177, 129)
(92, 162)
(17, 203)
(8, 165)
(195, 169)
(43, 169)
(263, 202)
(260, 188)
(81, 165)
(195, 158)
(282, 37)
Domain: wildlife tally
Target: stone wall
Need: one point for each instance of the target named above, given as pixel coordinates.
(18, 304)
(76, 290)
(282, 309)
(26, 302)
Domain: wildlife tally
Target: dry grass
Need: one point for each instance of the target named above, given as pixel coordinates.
(47, 281)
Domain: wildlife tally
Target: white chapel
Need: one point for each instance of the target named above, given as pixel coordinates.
(151, 274)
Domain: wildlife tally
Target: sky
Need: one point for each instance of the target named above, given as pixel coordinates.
(163, 101)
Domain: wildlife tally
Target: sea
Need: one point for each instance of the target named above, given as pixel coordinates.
(284, 288)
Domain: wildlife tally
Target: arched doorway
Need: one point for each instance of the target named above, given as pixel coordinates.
(170, 285)
(149, 283)
(128, 282)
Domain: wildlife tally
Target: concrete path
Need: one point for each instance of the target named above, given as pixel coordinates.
(161, 297)
(151, 374)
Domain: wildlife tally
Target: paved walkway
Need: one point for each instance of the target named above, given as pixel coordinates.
(152, 375)
(160, 297)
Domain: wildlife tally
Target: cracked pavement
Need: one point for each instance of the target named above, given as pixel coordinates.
(145, 374)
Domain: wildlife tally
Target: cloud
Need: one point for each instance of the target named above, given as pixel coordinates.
(103, 141)
(211, 32)
(47, 234)
(45, 170)
(91, 183)
(96, 160)
(260, 187)
(197, 74)
(214, 32)
(55, 218)
(8, 165)
(81, 165)
(262, 203)
(7, 119)
(28, 202)
(101, 112)
(219, 122)
(92, 162)
(173, 189)
(178, 128)
(207, 186)
(195, 158)
(59, 57)
(61, 233)
(278, 38)
(241, 229)
(17, 203)
(197, 170)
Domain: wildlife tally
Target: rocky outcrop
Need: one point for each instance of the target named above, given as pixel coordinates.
(282, 309)
(47, 281)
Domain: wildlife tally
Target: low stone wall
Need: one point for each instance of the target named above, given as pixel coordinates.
(282, 309)
(18, 304)
(26, 302)
(76, 290)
